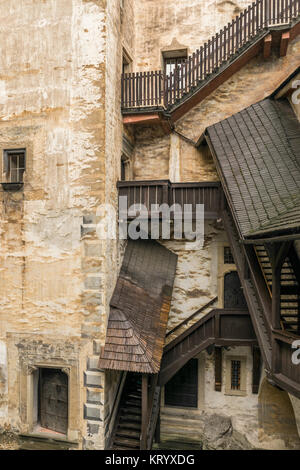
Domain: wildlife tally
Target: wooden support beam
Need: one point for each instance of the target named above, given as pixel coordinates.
(267, 46)
(256, 371)
(143, 445)
(157, 429)
(218, 369)
(284, 42)
(142, 119)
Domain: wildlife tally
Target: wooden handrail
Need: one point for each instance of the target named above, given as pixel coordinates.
(184, 322)
(155, 89)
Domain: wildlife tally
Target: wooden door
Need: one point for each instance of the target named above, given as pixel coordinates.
(182, 389)
(233, 292)
(54, 400)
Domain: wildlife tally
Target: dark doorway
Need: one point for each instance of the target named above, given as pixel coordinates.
(233, 292)
(182, 389)
(53, 400)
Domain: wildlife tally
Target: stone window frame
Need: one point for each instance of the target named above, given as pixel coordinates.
(243, 390)
(223, 269)
(29, 397)
(8, 155)
(15, 146)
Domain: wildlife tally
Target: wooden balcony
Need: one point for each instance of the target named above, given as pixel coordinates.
(158, 192)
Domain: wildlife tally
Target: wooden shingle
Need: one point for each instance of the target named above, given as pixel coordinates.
(139, 309)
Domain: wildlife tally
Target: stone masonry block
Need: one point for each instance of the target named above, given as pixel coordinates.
(92, 363)
(93, 379)
(94, 397)
(92, 412)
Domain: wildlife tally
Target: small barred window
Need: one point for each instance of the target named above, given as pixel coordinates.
(228, 258)
(235, 375)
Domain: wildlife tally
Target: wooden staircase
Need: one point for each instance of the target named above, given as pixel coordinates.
(275, 343)
(290, 290)
(127, 430)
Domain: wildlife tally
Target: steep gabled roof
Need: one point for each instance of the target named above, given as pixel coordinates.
(139, 309)
(257, 152)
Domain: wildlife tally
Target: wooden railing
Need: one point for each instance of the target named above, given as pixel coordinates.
(155, 89)
(221, 327)
(284, 371)
(158, 192)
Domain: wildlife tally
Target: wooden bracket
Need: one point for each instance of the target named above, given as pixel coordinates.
(218, 369)
(256, 371)
(267, 46)
(284, 42)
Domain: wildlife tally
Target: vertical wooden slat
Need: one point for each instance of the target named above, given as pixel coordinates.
(256, 369)
(218, 369)
(217, 49)
(122, 90)
(208, 55)
(144, 412)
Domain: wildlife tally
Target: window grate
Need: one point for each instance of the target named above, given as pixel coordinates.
(14, 165)
(173, 63)
(228, 258)
(235, 375)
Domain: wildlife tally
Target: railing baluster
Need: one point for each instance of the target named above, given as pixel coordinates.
(222, 33)
(205, 55)
(194, 69)
(217, 50)
(201, 63)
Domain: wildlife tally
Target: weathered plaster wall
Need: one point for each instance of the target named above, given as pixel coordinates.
(199, 274)
(188, 23)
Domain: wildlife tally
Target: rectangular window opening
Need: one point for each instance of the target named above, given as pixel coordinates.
(228, 258)
(235, 375)
(14, 165)
(173, 63)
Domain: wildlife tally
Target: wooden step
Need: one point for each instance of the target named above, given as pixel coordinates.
(131, 426)
(127, 443)
(130, 418)
(131, 410)
(133, 403)
(122, 432)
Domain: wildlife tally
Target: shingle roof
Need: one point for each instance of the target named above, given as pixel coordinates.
(258, 154)
(139, 309)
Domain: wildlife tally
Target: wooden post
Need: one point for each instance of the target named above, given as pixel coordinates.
(143, 445)
(157, 429)
(256, 371)
(218, 369)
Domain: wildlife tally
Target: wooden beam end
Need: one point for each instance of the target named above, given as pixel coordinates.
(284, 42)
(267, 46)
